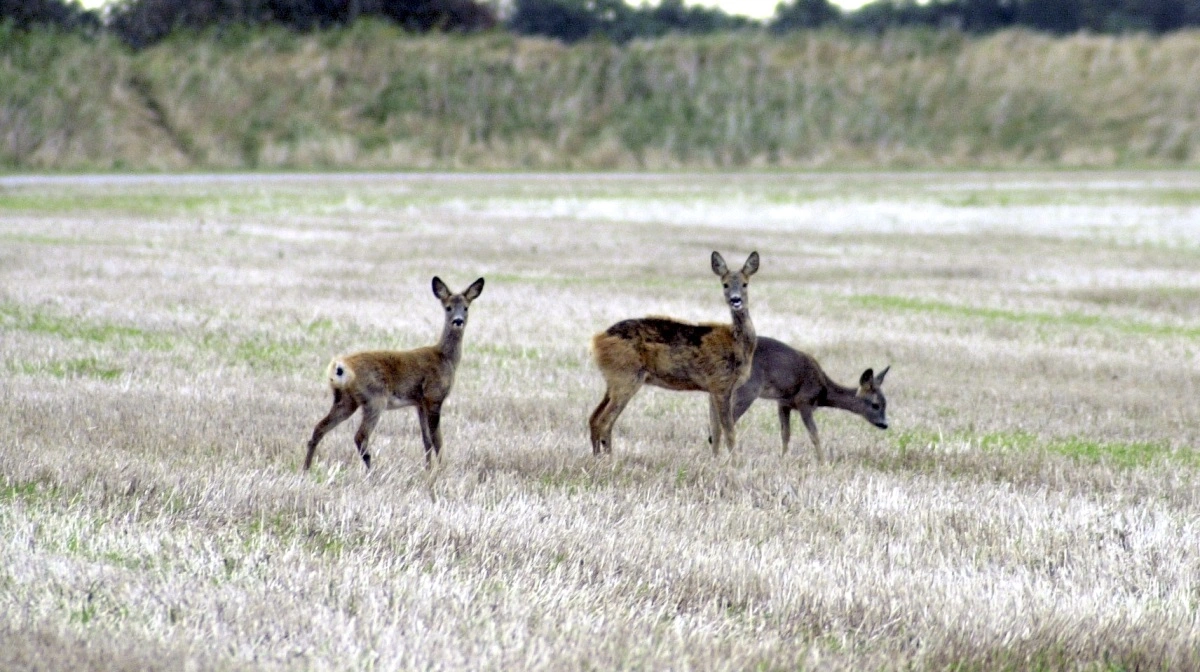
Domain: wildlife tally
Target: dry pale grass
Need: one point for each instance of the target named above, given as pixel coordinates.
(162, 343)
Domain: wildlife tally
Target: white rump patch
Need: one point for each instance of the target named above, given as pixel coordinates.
(340, 375)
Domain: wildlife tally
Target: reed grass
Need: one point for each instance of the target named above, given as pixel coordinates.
(374, 97)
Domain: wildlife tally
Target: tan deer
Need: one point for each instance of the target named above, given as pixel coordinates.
(796, 381)
(384, 380)
(659, 351)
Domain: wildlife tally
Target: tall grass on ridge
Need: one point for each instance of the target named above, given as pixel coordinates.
(374, 97)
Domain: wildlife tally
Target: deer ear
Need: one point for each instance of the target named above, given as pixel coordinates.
(751, 266)
(474, 290)
(718, 264)
(867, 379)
(879, 378)
(440, 290)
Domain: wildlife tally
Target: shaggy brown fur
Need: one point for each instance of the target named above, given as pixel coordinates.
(659, 351)
(384, 380)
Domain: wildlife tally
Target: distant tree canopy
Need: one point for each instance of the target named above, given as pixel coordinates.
(1055, 16)
(141, 23)
(27, 14)
(571, 20)
(802, 14)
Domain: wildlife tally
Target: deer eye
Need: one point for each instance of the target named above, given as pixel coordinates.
(447, 309)
(727, 285)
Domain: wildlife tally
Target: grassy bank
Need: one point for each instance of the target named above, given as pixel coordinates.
(374, 97)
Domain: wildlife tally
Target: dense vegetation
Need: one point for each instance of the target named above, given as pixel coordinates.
(373, 96)
(141, 23)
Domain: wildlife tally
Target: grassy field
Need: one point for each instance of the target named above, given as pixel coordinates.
(1035, 503)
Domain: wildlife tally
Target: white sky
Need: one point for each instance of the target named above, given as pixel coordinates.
(759, 9)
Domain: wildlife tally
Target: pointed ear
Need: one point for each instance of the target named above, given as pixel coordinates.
(440, 290)
(879, 378)
(751, 266)
(718, 264)
(474, 290)
(867, 380)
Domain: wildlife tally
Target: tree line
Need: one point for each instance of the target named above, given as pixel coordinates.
(142, 23)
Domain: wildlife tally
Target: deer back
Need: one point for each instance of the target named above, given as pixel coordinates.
(672, 354)
(404, 375)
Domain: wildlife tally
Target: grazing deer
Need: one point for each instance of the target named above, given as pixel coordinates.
(713, 358)
(387, 379)
(796, 381)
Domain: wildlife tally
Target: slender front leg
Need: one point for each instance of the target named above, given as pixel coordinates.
(724, 410)
(435, 431)
(426, 434)
(806, 414)
(785, 425)
(371, 413)
(714, 425)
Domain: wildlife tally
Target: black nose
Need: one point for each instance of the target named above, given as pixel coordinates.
(881, 425)
(458, 321)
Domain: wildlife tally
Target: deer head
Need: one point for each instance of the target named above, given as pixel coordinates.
(871, 392)
(736, 284)
(456, 304)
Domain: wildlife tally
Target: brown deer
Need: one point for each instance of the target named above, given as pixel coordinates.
(659, 351)
(383, 380)
(796, 381)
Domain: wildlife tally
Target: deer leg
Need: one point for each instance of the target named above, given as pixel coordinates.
(714, 425)
(806, 414)
(743, 398)
(785, 425)
(371, 413)
(615, 408)
(594, 425)
(435, 432)
(619, 394)
(724, 408)
(343, 407)
(426, 434)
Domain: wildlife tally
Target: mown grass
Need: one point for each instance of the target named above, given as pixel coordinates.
(1065, 319)
(87, 367)
(1083, 449)
(1033, 504)
(40, 321)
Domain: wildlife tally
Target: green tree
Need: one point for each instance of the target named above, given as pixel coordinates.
(802, 14)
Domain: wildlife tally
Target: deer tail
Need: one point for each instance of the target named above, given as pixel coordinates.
(340, 373)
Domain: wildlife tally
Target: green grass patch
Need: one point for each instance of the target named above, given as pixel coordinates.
(57, 241)
(20, 318)
(85, 367)
(260, 352)
(1068, 319)
(1080, 449)
(29, 492)
(134, 203)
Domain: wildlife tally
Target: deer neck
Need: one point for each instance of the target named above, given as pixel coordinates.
(450, 344)
(743, 328)
(845, 398)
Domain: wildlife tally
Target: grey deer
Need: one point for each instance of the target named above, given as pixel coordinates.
(663, 352)
(383, 380)
(796, 381)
